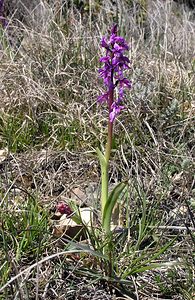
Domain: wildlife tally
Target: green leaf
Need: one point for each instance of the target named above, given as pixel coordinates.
(101, 157)
(112, 199)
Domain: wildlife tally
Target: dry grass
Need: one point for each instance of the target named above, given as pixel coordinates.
(50, 125)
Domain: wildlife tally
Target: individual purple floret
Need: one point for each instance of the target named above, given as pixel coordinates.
(115, 63)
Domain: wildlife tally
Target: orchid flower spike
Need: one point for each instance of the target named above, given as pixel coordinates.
(112, 72)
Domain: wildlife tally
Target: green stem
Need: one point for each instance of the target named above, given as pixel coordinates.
(104, 179)
(104, 167)
(109, 141)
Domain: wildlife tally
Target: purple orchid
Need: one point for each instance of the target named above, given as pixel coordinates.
(115, 63)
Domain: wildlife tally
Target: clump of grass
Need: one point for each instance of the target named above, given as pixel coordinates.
(24, 236)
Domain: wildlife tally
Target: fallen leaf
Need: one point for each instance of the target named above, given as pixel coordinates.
(67, 226)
